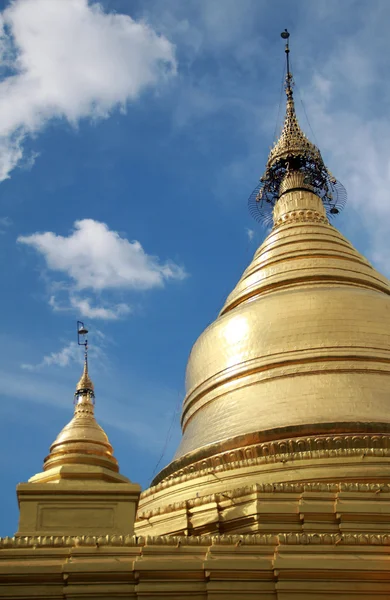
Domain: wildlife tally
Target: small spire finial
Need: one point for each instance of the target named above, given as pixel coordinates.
(285, 35)
(85, 385)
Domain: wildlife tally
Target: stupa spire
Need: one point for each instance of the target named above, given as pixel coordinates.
(292, 141)
(85, 385)
(294, 162)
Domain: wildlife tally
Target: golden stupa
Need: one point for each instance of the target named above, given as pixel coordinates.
(82, 441)
(291, 382)
(280, 488)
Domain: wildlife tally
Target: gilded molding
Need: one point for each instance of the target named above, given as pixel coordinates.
(334, 539)
(301, 216)
(46, 541)
(263, 488)
(302, 448)
(350, 539)
(66, 541)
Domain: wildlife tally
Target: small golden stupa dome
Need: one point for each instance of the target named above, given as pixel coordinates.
(82, 440)
(81, 451)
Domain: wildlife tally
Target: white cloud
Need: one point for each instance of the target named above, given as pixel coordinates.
(250, 233)
(70, 354)
(11, 150)
(70, 59)
(354, 138)
(215, 26)
(96, 258)
(5, 222)
(83, 307)
(64, 357)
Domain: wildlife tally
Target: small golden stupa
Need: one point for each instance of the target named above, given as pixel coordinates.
(82, 441)
(80, 490)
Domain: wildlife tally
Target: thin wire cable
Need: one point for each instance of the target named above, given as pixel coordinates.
(305, 113)
(280, 101)
(169, 434)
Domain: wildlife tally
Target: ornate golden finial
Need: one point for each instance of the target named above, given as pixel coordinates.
(84, 394)
(293, 153)
(85, 384)
(292, 141)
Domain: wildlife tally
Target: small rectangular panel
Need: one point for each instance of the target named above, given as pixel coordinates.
(70, 517)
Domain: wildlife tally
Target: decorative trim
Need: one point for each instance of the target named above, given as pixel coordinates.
(299, 448)
(333, 539)
(50, 541)
(264, 488)
(68, 541)
(301, 216)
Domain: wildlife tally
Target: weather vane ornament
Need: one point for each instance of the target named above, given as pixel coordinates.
(85, 386)
(294, 153)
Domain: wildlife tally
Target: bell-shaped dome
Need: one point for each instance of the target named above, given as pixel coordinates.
(82, 441)
(302, 342)
(301, 346)
(81, 450)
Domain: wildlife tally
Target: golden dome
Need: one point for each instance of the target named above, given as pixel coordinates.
(82, 441)
(302, 344)
(303, 339)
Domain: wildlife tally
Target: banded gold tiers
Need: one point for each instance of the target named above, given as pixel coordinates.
(303, 340)
(291, 382)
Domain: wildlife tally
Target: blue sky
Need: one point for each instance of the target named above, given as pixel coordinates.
(131, 135)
